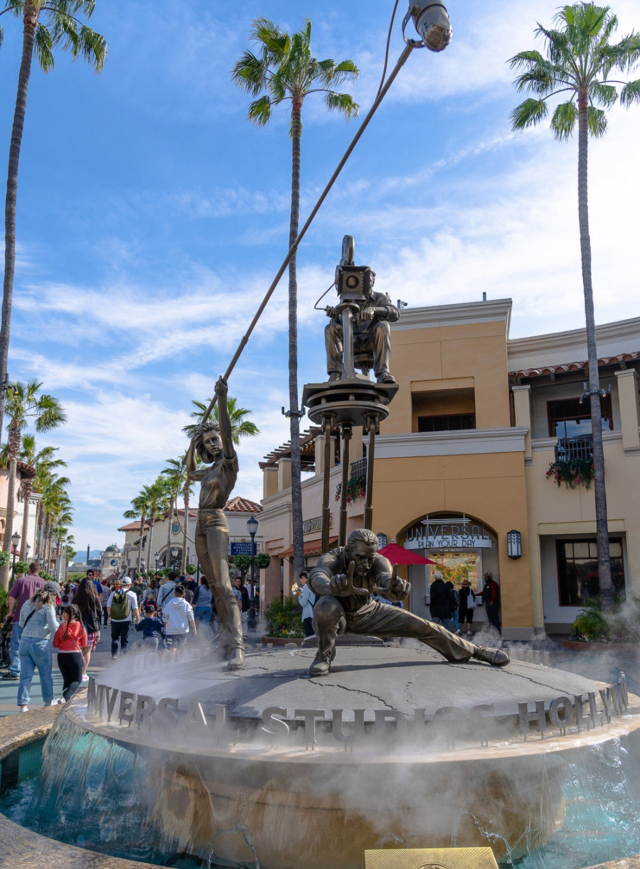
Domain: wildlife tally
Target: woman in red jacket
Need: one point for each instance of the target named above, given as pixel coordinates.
(70, 640)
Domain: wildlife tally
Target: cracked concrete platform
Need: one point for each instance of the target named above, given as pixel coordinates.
(361, 678)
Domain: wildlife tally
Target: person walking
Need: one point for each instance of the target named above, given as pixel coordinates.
(152, 628)
(92, 576)
(122, 607)
(202, 602)
(455, 603)
(466, 607)
(491, 598)
(307, 600)
(21, 591)
(178, 619)
(104, 600)
(440, 602)
(88, 601)
(245, 603)
(71, 641)
(38, 625)
(167, 590)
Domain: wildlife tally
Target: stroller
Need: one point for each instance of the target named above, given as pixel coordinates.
(5, 642)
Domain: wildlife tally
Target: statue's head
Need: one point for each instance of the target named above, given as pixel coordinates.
(362, 546)
(208, 443)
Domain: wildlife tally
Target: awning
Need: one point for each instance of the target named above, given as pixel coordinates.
(311, 547)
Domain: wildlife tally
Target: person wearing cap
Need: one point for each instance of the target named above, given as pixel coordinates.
(22, 590)
(38, 625)
(122, 608)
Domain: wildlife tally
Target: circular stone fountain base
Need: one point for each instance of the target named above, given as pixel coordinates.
(394, 746)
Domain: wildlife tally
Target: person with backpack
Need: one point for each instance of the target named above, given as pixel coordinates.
(123, 609)
(153, 630)
(167, 590)
(71, 641)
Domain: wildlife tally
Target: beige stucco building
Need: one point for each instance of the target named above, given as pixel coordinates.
(462, 461)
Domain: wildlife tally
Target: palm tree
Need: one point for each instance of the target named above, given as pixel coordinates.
(22, 403)
(180, 484)
(285, 70)
(174, 477)
(579, 61)
(47, 24)
(158, 502)
(240, 426)
(139, 510)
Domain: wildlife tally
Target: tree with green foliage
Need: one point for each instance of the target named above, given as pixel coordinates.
(46, 25)
(584, 65)
(25, 402)
(241, 427)
(284, 70)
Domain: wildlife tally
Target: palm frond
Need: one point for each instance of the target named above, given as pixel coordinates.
(260, 111)
(342, 103)
(43, 48)
(528, 114)
(630, 93)
(564, 119)
(597, 122)
(602, 94)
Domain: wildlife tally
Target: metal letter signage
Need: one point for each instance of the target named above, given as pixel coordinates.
(430, 534)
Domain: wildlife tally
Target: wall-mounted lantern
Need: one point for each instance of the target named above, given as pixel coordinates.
(514, 544)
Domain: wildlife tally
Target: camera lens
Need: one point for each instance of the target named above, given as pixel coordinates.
(352, 282)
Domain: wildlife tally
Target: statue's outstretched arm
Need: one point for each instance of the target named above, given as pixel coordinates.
(193, 472)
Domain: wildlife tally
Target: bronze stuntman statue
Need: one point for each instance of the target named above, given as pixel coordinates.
(344, 580)
(371, 335)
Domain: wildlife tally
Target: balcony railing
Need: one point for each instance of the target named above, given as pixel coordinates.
(575, 449)
(358, 469)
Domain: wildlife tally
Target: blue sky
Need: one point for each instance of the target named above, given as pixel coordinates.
(152, 217)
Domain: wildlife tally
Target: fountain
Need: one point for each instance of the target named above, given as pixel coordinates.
(305, 759)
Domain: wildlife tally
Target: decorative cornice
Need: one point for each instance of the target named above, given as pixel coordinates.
(455, 315)
(457, 443)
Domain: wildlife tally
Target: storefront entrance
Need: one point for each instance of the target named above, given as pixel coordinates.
(462, 548)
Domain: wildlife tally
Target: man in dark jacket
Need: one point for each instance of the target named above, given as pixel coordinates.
(440, 602)
(344, 581)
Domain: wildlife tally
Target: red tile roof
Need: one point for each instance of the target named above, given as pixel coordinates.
(235, 505)
(564, 367)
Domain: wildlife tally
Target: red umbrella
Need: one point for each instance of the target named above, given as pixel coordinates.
(399, 555)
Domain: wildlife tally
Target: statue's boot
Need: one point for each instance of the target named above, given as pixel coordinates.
(236, 660)
(495, 657)
(321, 665)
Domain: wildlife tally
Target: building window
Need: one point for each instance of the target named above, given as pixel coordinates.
(578, 569)
(447, 422)
(570, 419)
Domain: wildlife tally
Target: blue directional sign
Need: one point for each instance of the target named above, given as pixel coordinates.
(241, 548)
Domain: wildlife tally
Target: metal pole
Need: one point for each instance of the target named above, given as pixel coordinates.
(326, 510)
(294, 247)
(252, 609)
(371, 449)
(14, 564)
(346, 437)
(349, 371)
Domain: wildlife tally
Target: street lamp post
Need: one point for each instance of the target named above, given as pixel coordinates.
(252, 527)
(174, 556)
(156, 558)
(15, 540)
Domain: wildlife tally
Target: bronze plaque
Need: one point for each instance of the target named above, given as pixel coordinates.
(431, 858)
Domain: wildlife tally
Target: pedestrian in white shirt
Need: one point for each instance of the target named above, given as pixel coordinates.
(306, 600)
(122, 608)
(178, 618)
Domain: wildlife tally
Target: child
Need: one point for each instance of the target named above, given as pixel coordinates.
(178, 618)
(70, 640)
(151, 627)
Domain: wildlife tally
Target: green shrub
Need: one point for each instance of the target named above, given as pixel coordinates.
(262, 561)
(283, 618)
(4, 604)
(590, 624)
(191, 569)
(5, 558)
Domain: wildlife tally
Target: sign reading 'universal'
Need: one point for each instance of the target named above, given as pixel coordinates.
(579, 711)
(447, 535)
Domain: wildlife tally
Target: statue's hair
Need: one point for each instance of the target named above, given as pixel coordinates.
(201, 431)
(362, 535)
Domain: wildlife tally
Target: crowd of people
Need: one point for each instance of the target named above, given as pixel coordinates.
(162, 612)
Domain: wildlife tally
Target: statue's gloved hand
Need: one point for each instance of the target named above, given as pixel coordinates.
(331, 312)
(367, 314)
(221, 389)
(342, 585)
(395, 585)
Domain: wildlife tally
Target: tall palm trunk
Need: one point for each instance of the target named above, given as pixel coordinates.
(169, 521)
(14, 451)
(30, 23)
(602, 529)
(185, 531)
(152, 519)
(296, 483)
(37, 546)
(27, 486)
(142, 518)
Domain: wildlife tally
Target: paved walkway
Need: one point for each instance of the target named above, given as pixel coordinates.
(601, 666)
